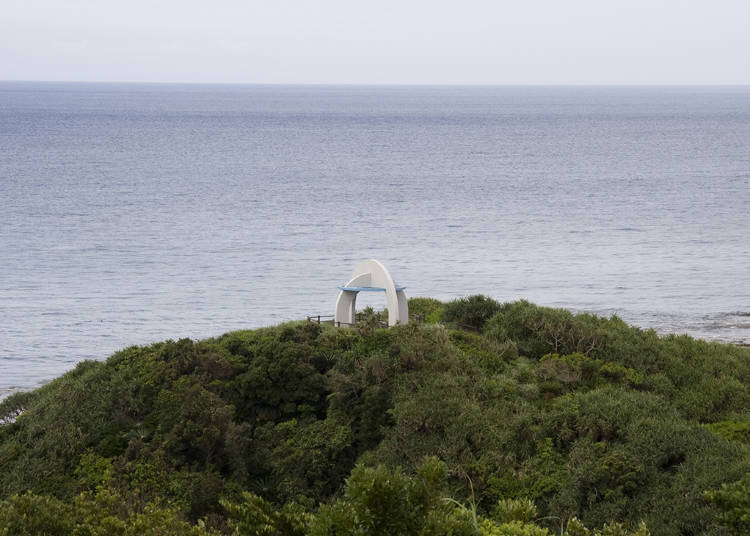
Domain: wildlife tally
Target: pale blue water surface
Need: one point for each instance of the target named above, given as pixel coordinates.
(135, 213)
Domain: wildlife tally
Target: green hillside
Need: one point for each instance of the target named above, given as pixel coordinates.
(493, 419)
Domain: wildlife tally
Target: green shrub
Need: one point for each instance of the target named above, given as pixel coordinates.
(429, 310)
(733, 500)
(492, 357)
(101, 513)
(508, 510)
(381, 502)
(732, 430)
(35, 514)
(471, 312)
(255, 516)
(540, 330)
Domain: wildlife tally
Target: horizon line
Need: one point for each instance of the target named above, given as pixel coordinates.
(386, 84)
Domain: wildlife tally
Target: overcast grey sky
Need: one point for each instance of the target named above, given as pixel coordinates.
(381, 41)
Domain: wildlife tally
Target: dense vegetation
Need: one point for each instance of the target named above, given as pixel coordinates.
(492, 419)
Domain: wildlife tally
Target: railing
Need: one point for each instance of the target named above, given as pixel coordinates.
(416, 318)
(329, 319)
(317, 318)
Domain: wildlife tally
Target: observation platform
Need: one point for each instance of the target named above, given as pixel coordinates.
(371, 276)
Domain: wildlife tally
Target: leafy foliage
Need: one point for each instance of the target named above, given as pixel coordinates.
(100, 513)
(429, 310)
(734, 502)
(528, 422)
(381, 502)
(471, 312)
(257, 516)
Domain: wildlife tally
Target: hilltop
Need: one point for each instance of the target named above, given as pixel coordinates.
(488, 418)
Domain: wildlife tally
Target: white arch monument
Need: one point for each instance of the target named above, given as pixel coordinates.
(371, 276)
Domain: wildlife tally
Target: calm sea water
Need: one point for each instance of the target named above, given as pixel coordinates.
(135, 213)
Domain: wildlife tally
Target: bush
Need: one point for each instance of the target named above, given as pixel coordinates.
(35, 514)
(255, 516)
(734, 502)
(732, 430)
(101, 513)
(540, 330)
(471, 312)
(429, 309)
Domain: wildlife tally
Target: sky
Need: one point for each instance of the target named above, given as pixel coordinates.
(377, 42)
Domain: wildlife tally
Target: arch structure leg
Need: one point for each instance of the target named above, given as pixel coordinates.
(372, 275)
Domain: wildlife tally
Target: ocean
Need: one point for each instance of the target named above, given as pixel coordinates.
(133, 213)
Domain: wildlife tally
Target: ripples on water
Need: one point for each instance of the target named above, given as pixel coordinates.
(136, 213)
